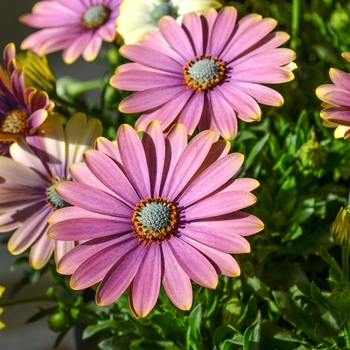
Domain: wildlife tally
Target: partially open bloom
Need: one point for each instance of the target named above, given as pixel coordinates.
(28, 180)
(22, 109)
(154, 211)
(139, 16)
(340, 229)
(77, 26)
(206, 72)
(37, 71)
(336, 96)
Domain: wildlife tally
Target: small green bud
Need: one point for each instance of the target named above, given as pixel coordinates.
(340, 228)
(58, 321)
(313, 155)
(232, 311)
(340, 298)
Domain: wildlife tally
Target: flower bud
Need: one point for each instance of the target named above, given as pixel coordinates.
(340, 228)
(340, 298)
(58, 321)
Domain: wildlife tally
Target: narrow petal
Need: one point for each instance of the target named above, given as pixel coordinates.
(120, 276)
(77, 46)
(338, 98)
(211, 179)
(241, 223)
(134, 159)
(93, 199)
(339, 115)
(223, 263)
(108, 172)
(223, 115)
(192, 25)
(62, 248)
(152, 58)
(176, 282)
(197, 267)
(322, 90)
(88, 228)
(32, 228)
(189, 162)
(151, 98)
(220, 204)
(175, 143)
(176, 37)
(265, 75)
(222, 30)
(145, 288)
(94, 269)
(20, 174)
(70, 262)
(41, 252)
(154, 145)
(92, 48)
(340, 78)
(109, 148)
(216, 238)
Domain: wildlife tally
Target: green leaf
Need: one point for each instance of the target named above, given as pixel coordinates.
(252, 335)
(330, 260)
(254, 152)
(93, 329)
(117, 342)
(317, 296)
(193, 336)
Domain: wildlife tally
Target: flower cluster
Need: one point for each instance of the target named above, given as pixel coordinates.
(141, 211)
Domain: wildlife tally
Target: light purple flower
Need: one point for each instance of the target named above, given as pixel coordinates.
(337, 99)
(206, 72)
(154, 211)
(22, 109)
(28, 180)
(76, 26)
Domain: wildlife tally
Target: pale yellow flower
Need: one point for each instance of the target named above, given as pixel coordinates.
(139, 16)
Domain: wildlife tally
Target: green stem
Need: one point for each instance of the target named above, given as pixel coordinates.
(25, 300)
(295, 24)
(345, 264)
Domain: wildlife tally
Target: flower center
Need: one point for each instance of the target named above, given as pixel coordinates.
(15, 122)
(204, 73)
(53, 198)
(161, 10)
(96, 16)
(154, 220)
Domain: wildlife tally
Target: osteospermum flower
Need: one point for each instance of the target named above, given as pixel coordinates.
(206, 72)
(22, 109)
(77, 26)
(337, 99)
(139, 16)
(28, 180)
(154, 211)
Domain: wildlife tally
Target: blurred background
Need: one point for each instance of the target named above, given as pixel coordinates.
(17, 335)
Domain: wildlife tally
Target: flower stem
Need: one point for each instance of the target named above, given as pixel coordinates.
(345, 264)
(295, 24)
(25, 300)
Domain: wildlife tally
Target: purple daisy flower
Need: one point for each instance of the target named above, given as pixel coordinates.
(22, 109)
(206, 72)
(337, 99)
(76, 26)
(154, 211)
(28, 180)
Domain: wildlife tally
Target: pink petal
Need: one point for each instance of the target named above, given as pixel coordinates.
(77, 46)
(41, 252)
(93, 199)
(145, 288)
(211, 179)
(134, 160)
(176, 282)
(220, 204)
(176, 37)
(340, 78)
(189, 162)
(338, 98)
(197, 267)
(154, 145)
(108, 172)
(95, 268)
(191, 24)
(120, 276)
(110, 149)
